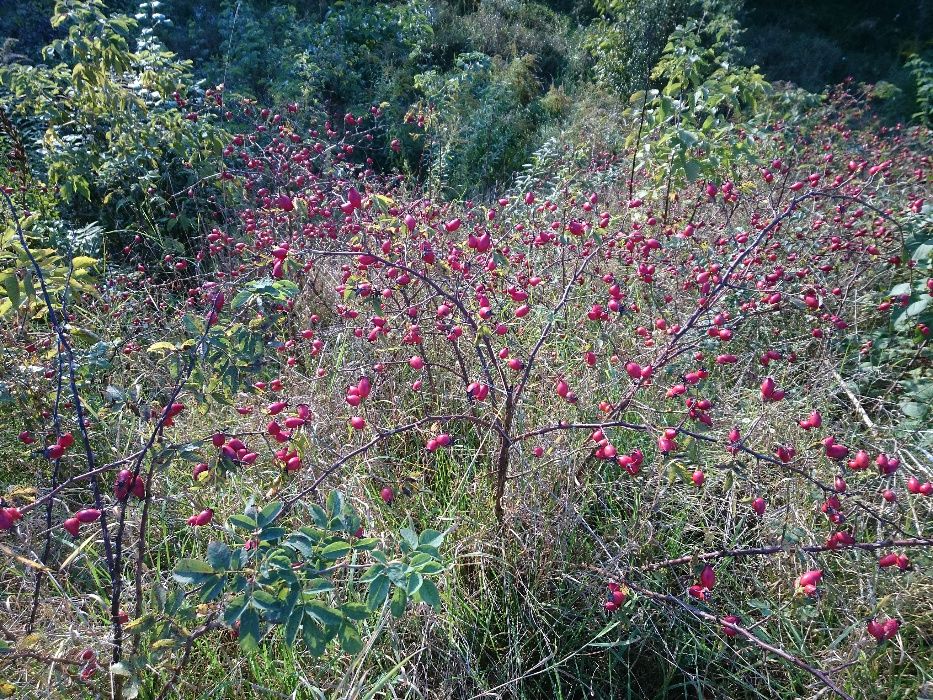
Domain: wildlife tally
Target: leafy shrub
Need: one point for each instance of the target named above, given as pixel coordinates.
(922, 72)
(115, 133)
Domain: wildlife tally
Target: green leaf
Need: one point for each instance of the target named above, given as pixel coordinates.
(218, 556)
(431, 538)
(687, 138)
(923, 251)
(234, 609)
(242, 522)
(324, 614)
(213, 587)
(241, 299)
(413, 584)
(349, 638)
(11, 286)
(378, 591)
(335, 550)
(335, 504)
(192, 571)
(431, 567)
(912, 409)
(379, 556)
(287, 287)
(355, 611)
(429, 594)
(420, 559)
(294, 622)
(397, 573)
(271, 534)
(693, 169)
(269, 513)
(266, 601)
(371, 573)
(318, 585)
(314, 637)
(249, 630)
(409, 537)
(399, 599)
(318, 514)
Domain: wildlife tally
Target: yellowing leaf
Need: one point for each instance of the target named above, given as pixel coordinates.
(161, 346)
(83, 261)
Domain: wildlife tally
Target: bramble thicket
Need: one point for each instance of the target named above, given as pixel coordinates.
(461, 349)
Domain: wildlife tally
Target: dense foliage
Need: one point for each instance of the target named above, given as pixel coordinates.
(460, 349)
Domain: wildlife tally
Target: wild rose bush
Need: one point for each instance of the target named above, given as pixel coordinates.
(641, 383)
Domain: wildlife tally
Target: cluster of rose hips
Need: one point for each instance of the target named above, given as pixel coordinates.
(170, 412)
(83, 517)
(281, 434)
(8, 517)
(57, 450)
(202, 518)
(615, 597)
(355, 396)
(704, 588)
(883, 631)
(807, 582)
(90, 664)
(127, 484)
(235, 450)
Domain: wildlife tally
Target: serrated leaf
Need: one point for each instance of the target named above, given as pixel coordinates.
(213, 587)
(335, 550)
(234, 608)
(264, 600)
(431, 538)
(269, 513)
(271, 534)
(249, 630)
(431, 567)
(240, 299)
(318, 585)
(378, 592)
(11, 286)
(399, 599)
(349, 638)
(409, 537)
(355, 611)
(324, 614)
(371, 573)
(414, 582)
(192, 571)
(218, 556)
(335, 504)
(287, 287)
(429, 594)
(242, 522)
(314, 637)
(293, 624)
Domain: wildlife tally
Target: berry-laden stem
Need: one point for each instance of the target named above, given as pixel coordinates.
(746, 634)
(777, 549)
